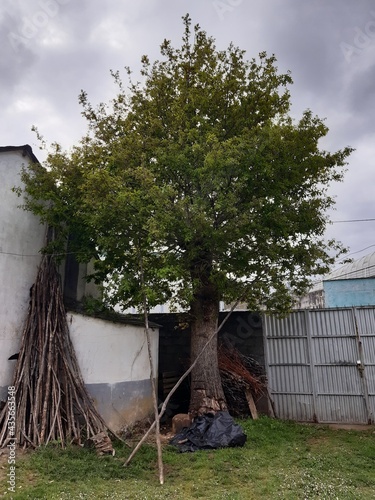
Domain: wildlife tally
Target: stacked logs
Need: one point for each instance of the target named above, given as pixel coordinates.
(52, 403)
(243, 380)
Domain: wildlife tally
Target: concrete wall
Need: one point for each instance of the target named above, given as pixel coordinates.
(349, 292)
(115, 367)
(21, 238)
(313, 300)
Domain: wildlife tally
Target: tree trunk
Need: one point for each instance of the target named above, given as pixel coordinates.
(207, 393)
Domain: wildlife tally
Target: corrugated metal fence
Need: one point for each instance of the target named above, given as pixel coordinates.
(321, 365)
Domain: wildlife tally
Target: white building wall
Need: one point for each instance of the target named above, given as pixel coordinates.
(21, 238)
(115, 366)
(113, 356)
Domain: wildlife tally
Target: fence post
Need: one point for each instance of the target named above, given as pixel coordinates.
(311, 358)
(361, 366)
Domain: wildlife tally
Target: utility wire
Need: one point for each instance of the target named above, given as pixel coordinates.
(36, 254)
(352, 220)
(358, 251)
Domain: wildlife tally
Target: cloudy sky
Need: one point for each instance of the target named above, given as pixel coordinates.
(51, 49)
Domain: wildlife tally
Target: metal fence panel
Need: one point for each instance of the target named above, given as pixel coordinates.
(335, 380)
(337, 351)
(366, 320)
(321, 365)
(366, 334)
(331, 322)
(342, 409)
(292, 326)
(289, 351)
(290, 380)
(294, 407)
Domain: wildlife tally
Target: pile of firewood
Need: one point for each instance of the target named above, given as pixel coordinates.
(52, 403)
(243, 380)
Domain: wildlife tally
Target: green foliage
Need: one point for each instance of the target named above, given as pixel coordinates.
(93, 306)
(199, 173)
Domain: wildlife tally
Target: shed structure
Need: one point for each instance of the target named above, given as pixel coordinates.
(350, 285)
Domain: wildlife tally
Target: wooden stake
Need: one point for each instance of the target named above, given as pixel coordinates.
(250, 402)
(152, 376)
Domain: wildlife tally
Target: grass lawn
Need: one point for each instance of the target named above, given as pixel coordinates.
(281, 460)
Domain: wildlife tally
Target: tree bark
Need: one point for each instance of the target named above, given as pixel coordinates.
(207, 395)
(180, 380)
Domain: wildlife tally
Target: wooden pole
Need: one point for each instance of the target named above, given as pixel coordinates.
(152, 376)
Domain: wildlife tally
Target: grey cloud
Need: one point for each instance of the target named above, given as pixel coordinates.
(83, 40)
(361, 94)
(16, 55)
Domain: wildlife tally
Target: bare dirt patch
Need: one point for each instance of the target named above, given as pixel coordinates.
(352, 427)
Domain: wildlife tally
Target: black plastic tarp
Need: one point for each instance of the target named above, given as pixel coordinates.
(210, 431)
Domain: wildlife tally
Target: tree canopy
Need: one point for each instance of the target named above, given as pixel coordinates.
(198, 172)
(200, 167)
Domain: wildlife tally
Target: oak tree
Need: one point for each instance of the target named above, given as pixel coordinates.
(194, 185)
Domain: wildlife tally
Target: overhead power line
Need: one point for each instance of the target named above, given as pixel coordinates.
(36, 254)
(357, 251)
(352, 220)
